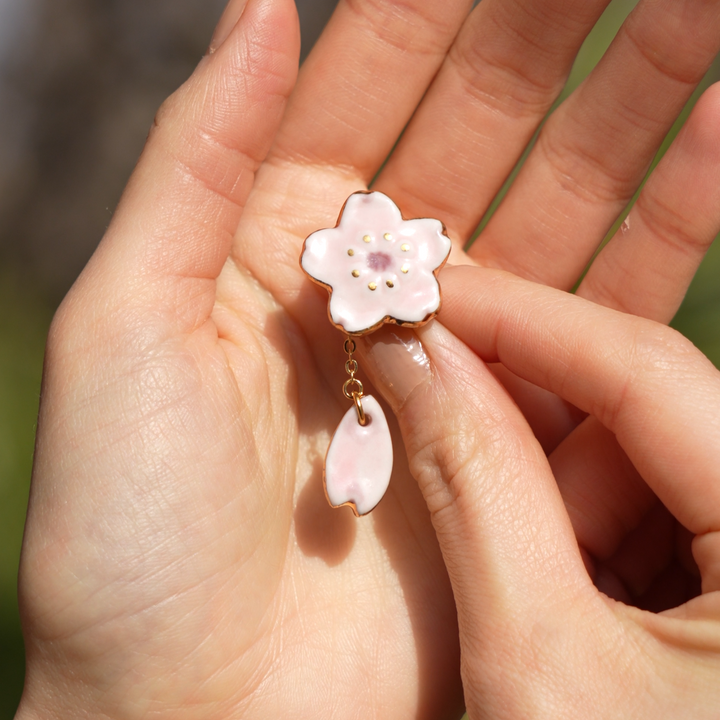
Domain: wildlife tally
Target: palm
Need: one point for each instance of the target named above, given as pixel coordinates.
(263, 577)
(343, 596)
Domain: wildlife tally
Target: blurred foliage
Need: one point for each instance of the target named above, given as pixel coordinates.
(699, 316)
(25, 315)
(24, 319)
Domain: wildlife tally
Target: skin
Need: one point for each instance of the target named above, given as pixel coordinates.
(180, 560)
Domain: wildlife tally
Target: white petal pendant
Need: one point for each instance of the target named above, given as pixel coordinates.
(359, 460)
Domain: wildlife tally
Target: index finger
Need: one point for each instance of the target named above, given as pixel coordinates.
(642, 380)
(363, 80)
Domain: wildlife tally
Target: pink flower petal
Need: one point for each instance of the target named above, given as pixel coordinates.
(359, 460)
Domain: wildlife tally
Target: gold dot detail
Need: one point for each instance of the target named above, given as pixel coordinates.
(387, 236)
(351, 252)
(372, 286)
(404, 247)
(390, 283)
(356, 273)
(405, 268)
(367, 238)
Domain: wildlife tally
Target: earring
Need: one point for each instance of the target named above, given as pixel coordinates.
(378, 268)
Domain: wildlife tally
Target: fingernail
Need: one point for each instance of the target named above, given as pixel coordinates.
(396, 363)
(228, 20)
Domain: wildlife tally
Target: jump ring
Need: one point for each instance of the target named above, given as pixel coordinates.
(357, 398)
(346, 388)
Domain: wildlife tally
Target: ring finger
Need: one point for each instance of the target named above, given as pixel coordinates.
(593, 152)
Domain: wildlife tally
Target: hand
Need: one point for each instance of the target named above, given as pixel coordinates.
(538, 638)
(179, 557)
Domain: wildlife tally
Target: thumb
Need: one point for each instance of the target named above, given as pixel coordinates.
(173, 229)
(503, 530)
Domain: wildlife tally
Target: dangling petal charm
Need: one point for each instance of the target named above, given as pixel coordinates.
(359, 460)
(379, 268)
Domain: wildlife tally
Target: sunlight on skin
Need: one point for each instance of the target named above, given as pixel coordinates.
(180, 558)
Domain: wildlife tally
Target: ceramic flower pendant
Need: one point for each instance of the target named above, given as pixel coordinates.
(378, 268)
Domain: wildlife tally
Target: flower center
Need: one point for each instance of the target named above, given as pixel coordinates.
(379, 261)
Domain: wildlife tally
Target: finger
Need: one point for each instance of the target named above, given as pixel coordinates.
(646, 572)
(650, 567)
(506, 68)
(172, 231)
(646, 551)
(644, 271)
(647, 267)
(503, 531)
(550, 417)
(643, 381)
(615, 515)
(594, 150)
(363, 80)
(604, 494)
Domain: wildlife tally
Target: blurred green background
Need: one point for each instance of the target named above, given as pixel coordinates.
(93, 96)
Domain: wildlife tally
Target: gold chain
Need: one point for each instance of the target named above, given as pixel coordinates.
(351, 367)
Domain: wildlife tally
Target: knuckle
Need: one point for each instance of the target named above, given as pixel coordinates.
(670, 226)
(453, 469)
(389, 22)
(649, 352)
(659, 347)
(650, 43)
(587, 171)
(656, 353)
(507, 83)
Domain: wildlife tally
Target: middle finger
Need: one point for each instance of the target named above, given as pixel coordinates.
(501, 76)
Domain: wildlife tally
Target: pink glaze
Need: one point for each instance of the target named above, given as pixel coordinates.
(359, 460)
(379, 261)
(378, 267)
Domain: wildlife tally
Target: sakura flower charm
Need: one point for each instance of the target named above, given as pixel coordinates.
(378, 268)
